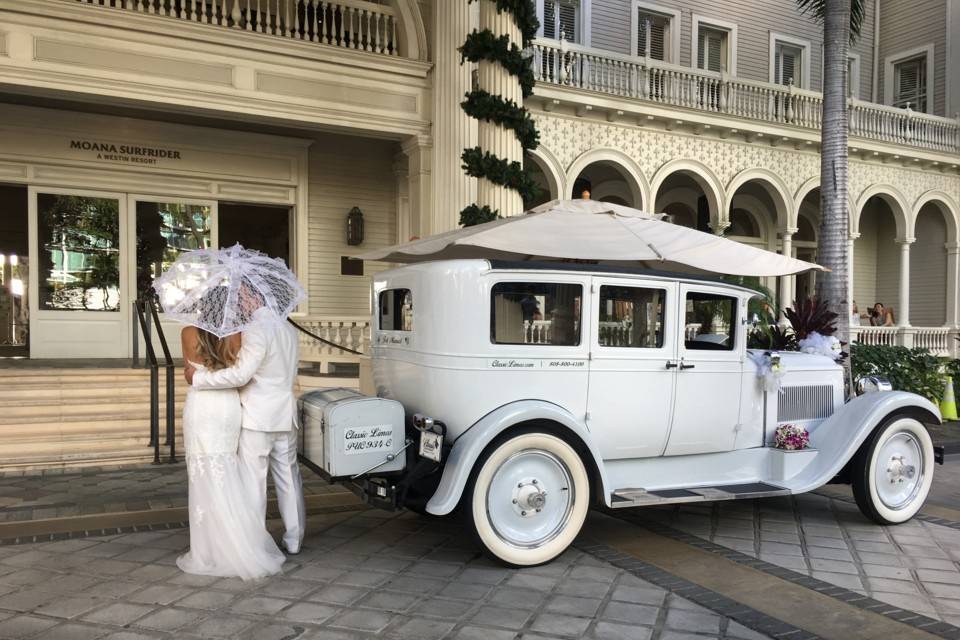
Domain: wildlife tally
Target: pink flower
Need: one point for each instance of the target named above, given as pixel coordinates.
(791, 437)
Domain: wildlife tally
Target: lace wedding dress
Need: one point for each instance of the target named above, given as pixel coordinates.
(228, 537)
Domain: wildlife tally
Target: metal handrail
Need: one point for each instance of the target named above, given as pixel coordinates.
(146, 314)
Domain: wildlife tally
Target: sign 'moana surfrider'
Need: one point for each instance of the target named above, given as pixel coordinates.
(125, 153)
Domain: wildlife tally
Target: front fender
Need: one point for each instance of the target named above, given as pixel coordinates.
(839, 437)
(472, 442)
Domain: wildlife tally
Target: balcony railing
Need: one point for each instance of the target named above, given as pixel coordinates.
(566, 64)
(940, 341)
(347, 24)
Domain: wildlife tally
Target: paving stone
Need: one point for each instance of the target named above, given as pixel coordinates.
(26, 599)
(501, 617)
(693, 621)
(443, 608)
(833, 566)
(573, 606)
(73, 631)
(395, 601)
(69, 607)
(422, 629)
(535, 582)
(740, 632)
(560, 625)
(639, 595)
(206, 600)
(338, 594)
(845, 580)
(160, 594)
(221, 626)
(311, 612)
(170, 619)
(132, 635)
(518, 598)
(118, 613)
(466, 591)
(883, 571)
(892, 586)
(260, 605)
(939, 575)
(632, 613)
(24, 626)
(362, 620)
(483, 633)
(614, 631)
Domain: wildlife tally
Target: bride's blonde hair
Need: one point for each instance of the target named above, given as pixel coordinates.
(216, 353)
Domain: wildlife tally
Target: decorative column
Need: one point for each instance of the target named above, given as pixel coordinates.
(953, 265)
(419, 154)
(903, 313)
(718, 226)
(505, 129)
(453, 130)
(495, 79)
(402, 180)
(851, 242)
(786, 282)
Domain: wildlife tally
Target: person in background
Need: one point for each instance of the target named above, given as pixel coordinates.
(881, 316)
(854, 315)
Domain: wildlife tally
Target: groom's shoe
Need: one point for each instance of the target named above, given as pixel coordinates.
(286, 549)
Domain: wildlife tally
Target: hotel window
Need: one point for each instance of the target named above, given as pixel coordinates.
(712, 49)
(788, 64)
(562, 16)
(653, 34)
(910, 83)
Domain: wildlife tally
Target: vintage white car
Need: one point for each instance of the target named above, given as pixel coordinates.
(521, 394)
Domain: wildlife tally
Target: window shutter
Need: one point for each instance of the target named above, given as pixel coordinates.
(851, 90)
(568, 20)
(652, 31)
(910, 84)
(550, 20)
(701, 49)
(710, 50)
(787, 65)
(714, 51)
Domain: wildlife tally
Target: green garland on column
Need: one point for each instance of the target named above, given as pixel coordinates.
(482, 105)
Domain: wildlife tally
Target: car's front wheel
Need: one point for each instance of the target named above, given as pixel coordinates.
(893, 471)
(527, 498)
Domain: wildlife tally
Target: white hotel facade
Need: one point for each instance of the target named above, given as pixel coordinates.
(130, 129)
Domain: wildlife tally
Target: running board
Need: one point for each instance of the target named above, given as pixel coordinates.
(642, 498)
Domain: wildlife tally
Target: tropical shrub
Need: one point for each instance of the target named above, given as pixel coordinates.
(914, 370)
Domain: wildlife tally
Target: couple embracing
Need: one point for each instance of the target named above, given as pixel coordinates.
(239, 418)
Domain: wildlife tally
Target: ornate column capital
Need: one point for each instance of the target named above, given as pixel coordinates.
(719, 226)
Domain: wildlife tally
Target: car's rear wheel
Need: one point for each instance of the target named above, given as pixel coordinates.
(527, 498)
(893, 471)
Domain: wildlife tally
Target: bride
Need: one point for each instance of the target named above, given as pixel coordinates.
(227, 535)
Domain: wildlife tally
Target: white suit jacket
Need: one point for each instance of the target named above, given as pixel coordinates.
(265, 373)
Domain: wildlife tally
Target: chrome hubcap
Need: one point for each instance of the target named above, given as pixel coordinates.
(530, 498)
(899, 471)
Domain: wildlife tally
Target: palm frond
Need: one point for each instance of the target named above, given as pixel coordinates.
(817, 9)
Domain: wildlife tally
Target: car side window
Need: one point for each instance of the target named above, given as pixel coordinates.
(535, 313)
(710, 322)
(396, 310)
(631, 317)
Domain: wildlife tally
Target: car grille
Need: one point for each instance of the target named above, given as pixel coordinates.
(813, 402)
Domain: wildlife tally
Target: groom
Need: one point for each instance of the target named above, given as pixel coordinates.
(265, 371)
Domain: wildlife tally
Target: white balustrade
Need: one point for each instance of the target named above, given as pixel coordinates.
(537, 331)
(875, 336)
(567, 64)
(361, 25)
(352, 333)
(936, 339)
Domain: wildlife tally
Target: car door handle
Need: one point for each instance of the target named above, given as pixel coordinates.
(687, 366)
(671, 364)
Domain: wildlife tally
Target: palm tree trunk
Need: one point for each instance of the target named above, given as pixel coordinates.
(834, 207)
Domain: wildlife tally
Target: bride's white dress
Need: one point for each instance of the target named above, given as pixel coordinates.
(228, 537)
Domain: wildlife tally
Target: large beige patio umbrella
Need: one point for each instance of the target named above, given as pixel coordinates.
(594, 231)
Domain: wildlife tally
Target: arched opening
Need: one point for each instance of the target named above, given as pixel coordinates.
(547, 187)
(805, 243)
(681, 196)
(928, 268)
(757, 211)
(876, 258)
(607, 181)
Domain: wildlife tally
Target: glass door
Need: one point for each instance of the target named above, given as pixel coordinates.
(14, 267)
(81, 306)
(164, 228)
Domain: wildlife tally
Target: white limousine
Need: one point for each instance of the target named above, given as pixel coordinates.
(521, 394)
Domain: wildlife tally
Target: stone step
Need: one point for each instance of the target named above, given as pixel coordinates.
(116, 409)
(72, 430)
(82, 393)
(77, 454)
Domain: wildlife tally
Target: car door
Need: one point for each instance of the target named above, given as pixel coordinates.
(632, 366)
(710, 335)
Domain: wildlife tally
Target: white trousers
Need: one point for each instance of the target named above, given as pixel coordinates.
(276, 451)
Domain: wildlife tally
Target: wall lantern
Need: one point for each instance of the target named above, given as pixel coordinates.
(354, 227)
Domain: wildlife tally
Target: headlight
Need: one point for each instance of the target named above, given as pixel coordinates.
(870, 384)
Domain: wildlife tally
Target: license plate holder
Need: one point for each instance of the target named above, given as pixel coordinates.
(430, 445)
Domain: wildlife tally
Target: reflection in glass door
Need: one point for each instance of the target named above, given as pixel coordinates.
(14, 264)
(164, 231)
(81, 289)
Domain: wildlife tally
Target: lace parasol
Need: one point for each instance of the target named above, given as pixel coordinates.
(223, 290)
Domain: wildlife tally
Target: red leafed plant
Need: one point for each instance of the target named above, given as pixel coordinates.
(811, 316)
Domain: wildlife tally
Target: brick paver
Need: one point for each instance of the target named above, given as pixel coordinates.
(361, 575)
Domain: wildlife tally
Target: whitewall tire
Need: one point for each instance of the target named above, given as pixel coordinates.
(527, 498)
(893, 471)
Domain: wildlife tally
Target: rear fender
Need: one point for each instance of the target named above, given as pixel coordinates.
(839, 437)
(472, 442)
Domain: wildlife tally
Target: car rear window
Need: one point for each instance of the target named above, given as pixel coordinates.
(396, 310)
(535, 313)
